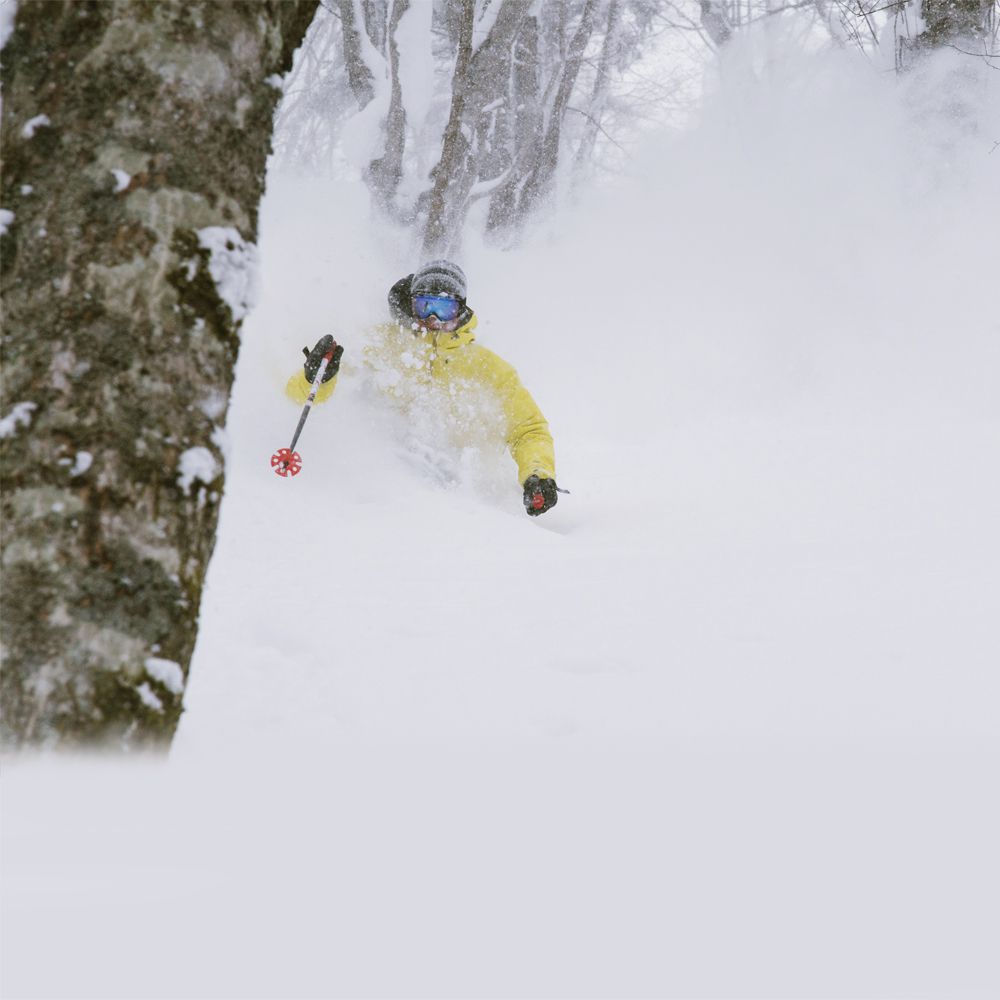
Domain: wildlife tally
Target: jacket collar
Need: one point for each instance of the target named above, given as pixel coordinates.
(444, 340)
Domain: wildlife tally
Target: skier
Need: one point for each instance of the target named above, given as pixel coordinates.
(429, 350)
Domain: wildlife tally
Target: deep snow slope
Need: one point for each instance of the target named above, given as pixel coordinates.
(723, 723)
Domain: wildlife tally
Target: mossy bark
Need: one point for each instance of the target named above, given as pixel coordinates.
(118, 348)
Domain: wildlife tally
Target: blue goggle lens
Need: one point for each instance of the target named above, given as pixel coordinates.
(443, 306)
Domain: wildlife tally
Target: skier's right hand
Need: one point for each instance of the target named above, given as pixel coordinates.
(315, 356)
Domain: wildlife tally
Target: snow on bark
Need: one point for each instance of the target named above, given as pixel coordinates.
(485, 18)
(19, 416)
(32, 125)
(362, 66)
(83, 461)
(7, 12)
(384, 173)
(196, 465)
(148, 697)
(233, 265)
(167, 672)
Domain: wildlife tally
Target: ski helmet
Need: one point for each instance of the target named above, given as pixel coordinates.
(439, 277)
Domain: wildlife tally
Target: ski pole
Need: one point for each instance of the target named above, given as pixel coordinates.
(287, 461)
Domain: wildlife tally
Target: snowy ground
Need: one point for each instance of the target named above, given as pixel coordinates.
(723, 723)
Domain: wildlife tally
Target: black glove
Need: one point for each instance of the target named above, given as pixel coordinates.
(539, 495)
(315, 356)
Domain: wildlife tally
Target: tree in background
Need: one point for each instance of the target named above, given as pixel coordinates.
(912, 26)
(516, 90)
(967, 26)
(135, 136)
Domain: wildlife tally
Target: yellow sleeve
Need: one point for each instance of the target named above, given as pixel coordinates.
(528, 436)
(297, 388)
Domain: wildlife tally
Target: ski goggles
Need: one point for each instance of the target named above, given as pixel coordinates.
(443, 306)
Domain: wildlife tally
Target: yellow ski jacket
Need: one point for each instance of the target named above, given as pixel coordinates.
(466, 380)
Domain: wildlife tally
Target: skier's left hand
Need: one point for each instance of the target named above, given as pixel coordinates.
(315, 356)
(539, 495)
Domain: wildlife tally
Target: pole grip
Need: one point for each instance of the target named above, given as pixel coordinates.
(318, 380)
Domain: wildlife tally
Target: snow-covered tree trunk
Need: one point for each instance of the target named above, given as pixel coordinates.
(525, 101)
(135, 136)
(384, 174)
(602, 80)
(715, 21)
(546, 157)
(480, 125)
(358, 73)
(446, 199)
